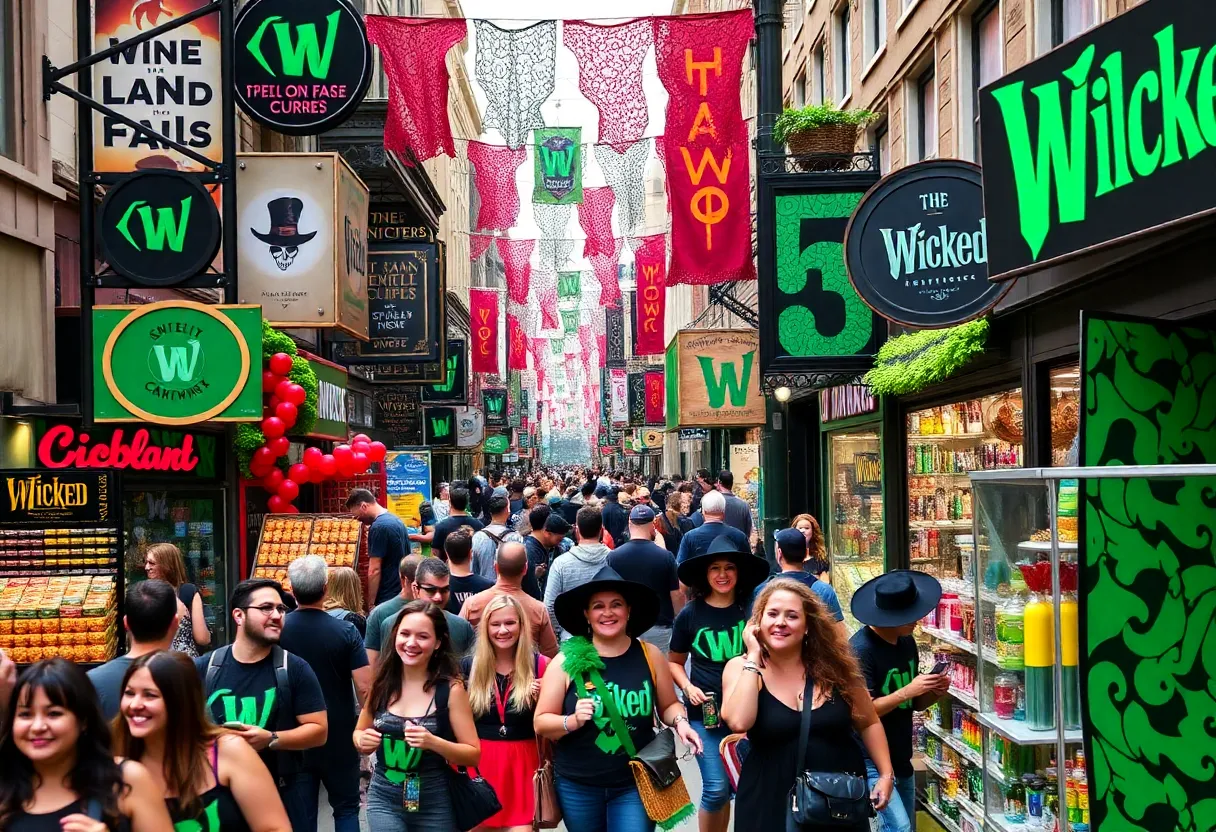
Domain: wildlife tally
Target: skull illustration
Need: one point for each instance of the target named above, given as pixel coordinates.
(284, 256)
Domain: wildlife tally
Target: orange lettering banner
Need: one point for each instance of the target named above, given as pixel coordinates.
(651, 299)
(483, 323)
(705, 146)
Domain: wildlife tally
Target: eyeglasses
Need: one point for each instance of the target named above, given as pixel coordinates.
(269, 609)
(427, 589)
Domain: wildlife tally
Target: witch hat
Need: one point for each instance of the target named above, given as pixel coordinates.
(284, 223)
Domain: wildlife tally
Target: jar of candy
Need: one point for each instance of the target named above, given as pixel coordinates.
(1015, 802)
(1005, 694)
(1036, 788)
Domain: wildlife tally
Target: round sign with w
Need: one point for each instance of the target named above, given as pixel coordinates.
(302, 66)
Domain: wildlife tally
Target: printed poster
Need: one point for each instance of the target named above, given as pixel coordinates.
(408, 477)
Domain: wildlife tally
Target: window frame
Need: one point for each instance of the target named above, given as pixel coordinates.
(979, 15)
(1054, 13)
(926, 80)
(819, 71)
(875, 24)
(13, 43)
(882, 132)
(842, 22)
(799, 88)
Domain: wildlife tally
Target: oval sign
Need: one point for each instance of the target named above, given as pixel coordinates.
(916, 248)
(497, 444)
(302, 66)
(159, 228)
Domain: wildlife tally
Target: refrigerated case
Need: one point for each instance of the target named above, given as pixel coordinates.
(854, 527)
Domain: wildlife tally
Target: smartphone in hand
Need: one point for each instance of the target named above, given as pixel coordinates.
(939, 668)
(235, 726)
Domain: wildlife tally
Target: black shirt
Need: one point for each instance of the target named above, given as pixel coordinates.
(462, 587)
(333, 648)
(646, 562)
(616, 520)
(394, 758)
(538, 555)
(887, 668)
(569, 511)
(489, 724)
(711, 636)
(448, 525)
(387, 540)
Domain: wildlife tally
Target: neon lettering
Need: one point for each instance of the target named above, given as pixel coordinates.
(139, 455)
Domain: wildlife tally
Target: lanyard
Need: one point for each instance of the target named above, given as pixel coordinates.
(500, 703)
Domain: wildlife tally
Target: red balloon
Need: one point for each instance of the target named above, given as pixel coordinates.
(289, 490)
(279, 446)
(273, 427)
(281, 388)
(376, 451)
(287, 412)
(361, 463)
(360, 447)
(329, 465)
(346, 470)
(276, 504)
(280, 363)
(273, 479)
(290, 509)
(360, 437)
(342, 453)
(299, 473)
(263, 457)
(295, 394)
(312, 458)
(256, 472)
(269, 381)
(272, 404)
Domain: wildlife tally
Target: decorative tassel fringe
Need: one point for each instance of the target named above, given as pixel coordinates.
(687, 811)
(580, 656)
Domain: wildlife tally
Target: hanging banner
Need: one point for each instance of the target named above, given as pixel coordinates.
(614, 328)
(706, 148)
(619, 395)
(483, 320)
(455, 386)
(655, 396)
(569, 286)
(517, 344)
(439, 427)
(494, 404)
(558, 172)
(650, 302)
(332, 413)
(712, 379)
(745, 465)
(470, 427)
(407, 477)
(637, 399)
(570, 321)
(497, 444)
(514, 395)
(399, 411)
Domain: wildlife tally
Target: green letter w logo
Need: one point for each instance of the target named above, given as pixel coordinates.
(716, 387)
(164, 228)
(557, 163)
(720, 645)
(494, 403)
(176, 365)
(446, 385)
(292, 56)
(440, 426)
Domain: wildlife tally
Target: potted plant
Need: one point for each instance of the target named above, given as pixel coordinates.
(820, 128)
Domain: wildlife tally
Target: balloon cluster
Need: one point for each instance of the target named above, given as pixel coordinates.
(283, 399)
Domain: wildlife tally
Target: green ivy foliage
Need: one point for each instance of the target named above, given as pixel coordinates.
(910, 363)
(800, 119)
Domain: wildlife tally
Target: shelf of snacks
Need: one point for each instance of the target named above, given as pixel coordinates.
(59, 616)
(855, 529)
(287, 537)
(81, 551)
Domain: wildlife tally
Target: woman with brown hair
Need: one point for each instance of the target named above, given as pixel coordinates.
(816, 562)
(163, 561)
(793, 646)
(344, 597)
(210, 779)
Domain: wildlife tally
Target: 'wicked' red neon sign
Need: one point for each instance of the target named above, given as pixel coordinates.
(62, 447)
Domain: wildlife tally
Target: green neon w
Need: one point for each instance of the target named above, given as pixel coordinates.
(159, 230)
(726, 381)
(446, 385)
(440, 427)
(306, 49)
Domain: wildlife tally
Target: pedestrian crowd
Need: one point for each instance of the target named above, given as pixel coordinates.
(538, 649)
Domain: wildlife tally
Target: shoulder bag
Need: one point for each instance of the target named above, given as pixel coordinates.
(825, 798)
(473, 797)
(546, 811)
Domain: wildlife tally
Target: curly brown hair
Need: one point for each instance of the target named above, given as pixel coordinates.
(817, 542)
(826, 655)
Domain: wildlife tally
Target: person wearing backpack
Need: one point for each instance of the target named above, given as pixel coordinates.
(488, 540)
(268, 696)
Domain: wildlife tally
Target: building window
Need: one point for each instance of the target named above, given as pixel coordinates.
(876, 26)
(10, 100)
(841, 54)
(800, 89)
(926, 116)
(882, 146)
(1070, 18)
(819, 83)
(985, 59)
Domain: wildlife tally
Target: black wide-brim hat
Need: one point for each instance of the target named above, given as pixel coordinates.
(284, 223)
(898, 598)
(642, 600)
(694, 572)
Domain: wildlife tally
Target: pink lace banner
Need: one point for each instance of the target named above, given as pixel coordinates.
(479, 244)
(494, 169)
(414, 52)
(595, 216)
(516, 256)
(610, 74)
(601, 347)
(605, 267)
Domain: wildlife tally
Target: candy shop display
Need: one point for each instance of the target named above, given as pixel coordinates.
(25, 551)
(855, 528)
(59, 616)
(287, 537)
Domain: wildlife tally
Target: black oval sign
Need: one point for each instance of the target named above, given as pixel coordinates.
(159, 228)
(916, 248)
(302, 66)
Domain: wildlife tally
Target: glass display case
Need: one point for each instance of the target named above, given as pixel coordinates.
(855, 527)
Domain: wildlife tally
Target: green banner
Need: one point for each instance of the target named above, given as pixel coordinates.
(558, 166)
(556, 346)
(514, 398)
(331, 400)
(569, 285)
(570, 320)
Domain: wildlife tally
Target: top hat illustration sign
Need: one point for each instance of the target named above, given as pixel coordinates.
(284, 237)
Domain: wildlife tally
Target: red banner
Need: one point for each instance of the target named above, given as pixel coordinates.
(483, 317)
(517, 344)
(705, 146)
(655, 396)
(651, 300)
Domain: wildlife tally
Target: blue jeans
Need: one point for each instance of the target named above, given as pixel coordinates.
(900, 814)
(597, 809)
(385, 813)
(715, 788)
(340, 776)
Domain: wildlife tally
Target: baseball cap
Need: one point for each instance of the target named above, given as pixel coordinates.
(641, 515)
(792, 542)
(557, 524)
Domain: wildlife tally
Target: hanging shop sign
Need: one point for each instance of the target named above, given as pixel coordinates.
(439, 427)
(712, 379)
(514, 397)
(1101, 139)
(301, 66)
(177, 363)
(407, 478)
(636, 399)
(34, 497)
(170, 83)
(399, 411)
(655, 392)
(916, 248)
(494, 403)
(332, 411)
(455, 385)
(303, 240)
(483, 323)
(159, 228)
(618, 409)
(821, 324)
(693, 435)
(470, 427)
(405, 287)
(497, 444)
(147, 450)
(652, 440)
(614, 327)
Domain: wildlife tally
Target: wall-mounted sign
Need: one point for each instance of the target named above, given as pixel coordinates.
(712, 379)
(454, 387)
(439, 427)
(636, 399)
(399, 412)
(405, 289)
(846, 400)
(33, 497)
(176, 363)
(159, 228)
(917, 249)
(497, 444)
(652, 439)
(152, 450)
(494, 403)
(332, 411)
(303, 247)
(1101, 138)
(693, 435)
(470, 427)
(301, 66)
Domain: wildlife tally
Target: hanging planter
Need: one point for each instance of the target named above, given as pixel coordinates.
(820, 128)
(910, 363)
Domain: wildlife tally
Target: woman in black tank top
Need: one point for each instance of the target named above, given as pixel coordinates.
(205, 774)
(58, 769)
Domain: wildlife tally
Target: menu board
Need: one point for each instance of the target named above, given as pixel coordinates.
(285, 538)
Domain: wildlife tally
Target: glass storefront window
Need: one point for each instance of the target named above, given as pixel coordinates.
(1065, 414)
(855, 530)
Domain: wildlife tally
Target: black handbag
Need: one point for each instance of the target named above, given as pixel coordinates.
(659, 758)
(473, 799)
(825, 798)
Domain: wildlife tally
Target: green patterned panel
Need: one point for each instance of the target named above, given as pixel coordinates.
(1148, 577)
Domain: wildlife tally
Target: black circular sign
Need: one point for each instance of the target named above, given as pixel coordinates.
(916, 247)
(159, 227)
(302, 66)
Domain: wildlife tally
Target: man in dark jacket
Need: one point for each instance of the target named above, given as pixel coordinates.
(616, 517)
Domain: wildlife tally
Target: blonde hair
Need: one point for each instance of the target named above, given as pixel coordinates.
(169, 561)
(820, 548)
(344, 591)
(482, 676)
